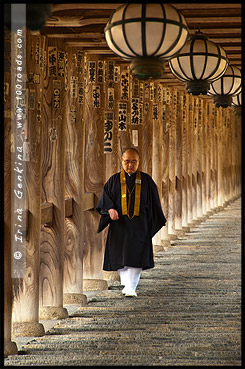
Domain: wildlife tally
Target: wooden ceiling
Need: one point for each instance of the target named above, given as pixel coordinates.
(82, 25)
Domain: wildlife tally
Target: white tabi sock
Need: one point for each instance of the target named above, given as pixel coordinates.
(130, 277)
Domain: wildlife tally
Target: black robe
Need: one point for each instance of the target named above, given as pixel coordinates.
(129, 241)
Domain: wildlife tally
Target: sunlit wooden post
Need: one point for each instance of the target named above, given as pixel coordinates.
(26, 288)
(74, 181)
(172, 175)
(178, 165)
(94, 116)
(10, 347)
(204, 157)
(165, 239)
(53, 182)
(157, 155)
(185, 158)
(111, 142)
(194, 160)
(190, 159)
(199, 158)
(146, 154)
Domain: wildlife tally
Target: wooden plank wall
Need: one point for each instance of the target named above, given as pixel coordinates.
(83, 111)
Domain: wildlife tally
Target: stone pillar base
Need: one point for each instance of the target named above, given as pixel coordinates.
(52, 312)
(111, 276)
(172, 237)
(159, 248)
(186, 229)
(10, 348)
(94, 285)
(165, 243)
(180, 232)
(75, 299)
(28, 329)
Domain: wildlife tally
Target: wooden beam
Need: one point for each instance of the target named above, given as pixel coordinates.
(73, 21)
(106, 6)
(47, 213)
(88, 201)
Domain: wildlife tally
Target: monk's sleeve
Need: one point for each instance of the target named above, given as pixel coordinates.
(158, 219)
(106, 202)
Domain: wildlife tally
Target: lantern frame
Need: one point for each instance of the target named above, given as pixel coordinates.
(199, 50)
(129, 35)
(225, 88)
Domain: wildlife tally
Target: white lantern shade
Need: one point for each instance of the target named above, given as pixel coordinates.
(229, 84)
(199, 62)
(142, 30)
(237, 99)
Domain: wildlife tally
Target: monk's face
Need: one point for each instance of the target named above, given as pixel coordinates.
(130, 161)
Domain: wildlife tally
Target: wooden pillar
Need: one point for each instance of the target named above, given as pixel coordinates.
(208, 159)
(10, 347)
(199, 158)
(204, 158)
(194, 159)
(124, 106)
(26, 287)
(94, 115)
(165, 241)
(178, 166)
(172, 175)
(157, 157)
(185, 158)
(74, 181)
(220, 155)
(212, 158)
(237, 119)
(111, 138)
(53, 182)
(227, 156)
(146, 155)
(215, 154)
(190, 158)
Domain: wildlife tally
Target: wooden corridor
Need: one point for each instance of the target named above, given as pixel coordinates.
(78, 110)
(188, 310)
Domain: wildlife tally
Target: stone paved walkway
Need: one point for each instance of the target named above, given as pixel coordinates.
(188, 310)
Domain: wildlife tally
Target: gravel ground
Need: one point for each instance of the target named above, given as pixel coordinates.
(187, 312)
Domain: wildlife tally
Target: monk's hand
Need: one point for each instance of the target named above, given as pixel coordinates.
(113, 214)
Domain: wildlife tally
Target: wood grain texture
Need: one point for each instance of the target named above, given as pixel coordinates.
(26, 290)
(53, 185)
(190, 158)
(93, 177)
(194, 157)
(172, 153)
(185, 116)
(74, 175)
(178, 164)
(199, 156)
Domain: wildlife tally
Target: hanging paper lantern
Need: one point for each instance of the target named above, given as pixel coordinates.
(199, 63)
(146, 35)
(229, 85)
